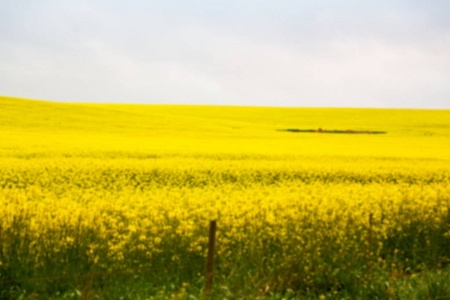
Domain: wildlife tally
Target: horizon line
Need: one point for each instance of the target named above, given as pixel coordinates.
(222, 105)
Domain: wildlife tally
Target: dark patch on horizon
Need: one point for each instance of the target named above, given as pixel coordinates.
(320, 130)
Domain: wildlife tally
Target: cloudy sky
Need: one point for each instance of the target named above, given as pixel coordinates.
(322, 53)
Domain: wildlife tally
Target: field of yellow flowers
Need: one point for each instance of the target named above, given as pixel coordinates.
(116, 199)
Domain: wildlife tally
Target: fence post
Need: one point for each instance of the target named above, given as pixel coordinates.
(369, 243)
(87, 289)
(210, 259)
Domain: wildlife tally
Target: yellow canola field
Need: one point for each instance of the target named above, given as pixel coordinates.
(111, 187)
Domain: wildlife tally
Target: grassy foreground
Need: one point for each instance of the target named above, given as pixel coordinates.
(111, 201)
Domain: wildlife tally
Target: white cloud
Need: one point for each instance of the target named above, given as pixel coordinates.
(335, 57)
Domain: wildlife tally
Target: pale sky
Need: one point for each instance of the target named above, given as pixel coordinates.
(321, 53)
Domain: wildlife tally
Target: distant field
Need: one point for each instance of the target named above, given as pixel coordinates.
(45, 128)
(113, 189)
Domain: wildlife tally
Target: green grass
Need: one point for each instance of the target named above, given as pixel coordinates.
(426, 284)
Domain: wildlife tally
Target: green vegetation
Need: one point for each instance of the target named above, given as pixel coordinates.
(114, 202)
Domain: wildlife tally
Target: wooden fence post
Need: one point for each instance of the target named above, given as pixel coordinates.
(210, 261)
(369, 243)
(88, 288)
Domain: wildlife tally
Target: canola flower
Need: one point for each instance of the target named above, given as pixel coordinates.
(138, 188)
